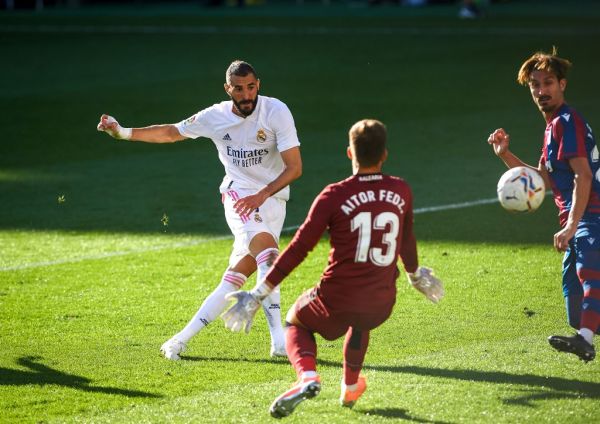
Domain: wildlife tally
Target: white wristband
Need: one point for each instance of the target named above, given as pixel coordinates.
(121, 133)
(261, 290)
(124, 133)
(413, 277)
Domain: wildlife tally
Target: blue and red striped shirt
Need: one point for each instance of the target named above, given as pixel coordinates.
(568, 136)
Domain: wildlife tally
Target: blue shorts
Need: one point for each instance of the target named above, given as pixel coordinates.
(583, 253)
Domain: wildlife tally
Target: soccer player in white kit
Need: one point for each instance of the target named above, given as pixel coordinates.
(258, 146)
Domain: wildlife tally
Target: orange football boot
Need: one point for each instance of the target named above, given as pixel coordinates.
(349, 398)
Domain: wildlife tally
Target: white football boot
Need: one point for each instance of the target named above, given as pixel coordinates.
(172, 348)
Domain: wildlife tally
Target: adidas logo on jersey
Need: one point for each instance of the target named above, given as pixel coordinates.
(226, 137)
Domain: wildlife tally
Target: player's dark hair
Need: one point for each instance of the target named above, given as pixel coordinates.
(239, 68)
(541, 61)
(368, 139)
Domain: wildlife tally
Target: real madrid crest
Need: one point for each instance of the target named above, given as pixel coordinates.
(261, 136)
(257, 218)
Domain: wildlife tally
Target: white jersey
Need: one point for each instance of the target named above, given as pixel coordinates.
(249, 148)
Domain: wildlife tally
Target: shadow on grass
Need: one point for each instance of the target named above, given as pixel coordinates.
(539, 387)
(280, 361)
(42, 375)
(397, 413)
(543, 388)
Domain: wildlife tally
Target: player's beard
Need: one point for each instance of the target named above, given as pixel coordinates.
(545, 105)
(238, 106)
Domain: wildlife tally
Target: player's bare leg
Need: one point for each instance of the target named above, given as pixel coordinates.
(233, 279)
(264, 249)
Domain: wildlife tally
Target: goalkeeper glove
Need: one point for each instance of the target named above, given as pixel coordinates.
(425, 281)
(241, 314)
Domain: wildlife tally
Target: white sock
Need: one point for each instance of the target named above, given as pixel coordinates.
(271, 305)
(212, 306)
(349, 387)
(308, 374)
(587, 334)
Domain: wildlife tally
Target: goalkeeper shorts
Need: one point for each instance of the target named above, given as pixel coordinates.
(311, 310)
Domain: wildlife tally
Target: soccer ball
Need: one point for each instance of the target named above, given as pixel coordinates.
(521, 189)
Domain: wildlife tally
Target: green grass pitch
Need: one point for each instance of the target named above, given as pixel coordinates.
(93, 279)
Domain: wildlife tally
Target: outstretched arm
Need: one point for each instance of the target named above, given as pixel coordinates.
(166, 133)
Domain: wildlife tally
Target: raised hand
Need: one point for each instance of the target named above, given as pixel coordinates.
(500, 141)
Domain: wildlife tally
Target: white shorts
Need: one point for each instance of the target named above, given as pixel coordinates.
(266, 219)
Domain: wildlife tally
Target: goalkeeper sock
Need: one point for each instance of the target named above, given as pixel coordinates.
(271, 304)
(355, 349)
(212, 306)
(301, 348)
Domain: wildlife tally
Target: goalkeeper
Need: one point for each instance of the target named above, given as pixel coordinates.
(369, 217)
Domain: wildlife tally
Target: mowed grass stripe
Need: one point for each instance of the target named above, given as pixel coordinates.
(192, 243)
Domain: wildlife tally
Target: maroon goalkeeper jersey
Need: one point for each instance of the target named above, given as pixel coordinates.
(370, 222)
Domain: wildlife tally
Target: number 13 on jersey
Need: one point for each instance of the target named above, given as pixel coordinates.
(363, 222)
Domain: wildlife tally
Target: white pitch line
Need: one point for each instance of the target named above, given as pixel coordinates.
(455, 206)
(224, 237)
(113, 254)
(274, 30)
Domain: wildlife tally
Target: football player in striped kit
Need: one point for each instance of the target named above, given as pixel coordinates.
(258, 146)
(570, 165)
